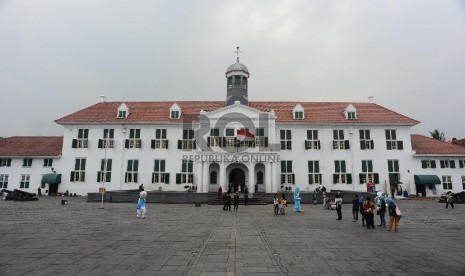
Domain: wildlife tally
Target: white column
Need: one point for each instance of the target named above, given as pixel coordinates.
(206, 177)
(251, 178)
(199, 177)
(274, 182)
(268, 187)
(222, 179)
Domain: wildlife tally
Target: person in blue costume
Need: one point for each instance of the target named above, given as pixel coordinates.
(141, 205)
(297, 200)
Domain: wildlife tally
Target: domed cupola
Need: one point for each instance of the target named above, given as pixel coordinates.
(237, 75)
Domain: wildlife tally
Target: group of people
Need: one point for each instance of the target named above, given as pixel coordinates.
(367, 208)
(279, 204)
(228, 199)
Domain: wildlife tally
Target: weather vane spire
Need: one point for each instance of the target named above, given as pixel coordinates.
(237, 52)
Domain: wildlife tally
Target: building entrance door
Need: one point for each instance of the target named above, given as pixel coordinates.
(236, 180)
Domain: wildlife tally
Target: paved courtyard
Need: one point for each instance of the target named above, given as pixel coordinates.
(47, 238)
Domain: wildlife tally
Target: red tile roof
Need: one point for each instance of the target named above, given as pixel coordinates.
(426, 145)
(31, 146)
(315, 112)
(460, 142)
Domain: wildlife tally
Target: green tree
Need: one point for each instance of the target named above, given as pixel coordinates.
(436, 134)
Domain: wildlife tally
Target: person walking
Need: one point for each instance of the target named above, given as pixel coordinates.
(276, 204)
(338, 202)
(246, 196)
(394, 215)
(361, 200)
(450, 200)
(382, 210)
(236, 201)
(355, 208)
(368, 209)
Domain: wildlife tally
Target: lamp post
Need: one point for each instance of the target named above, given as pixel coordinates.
(105, 161)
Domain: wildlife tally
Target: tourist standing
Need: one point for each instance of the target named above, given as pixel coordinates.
(450, 200)
(394, 215)
(368, 209)
(228, 201)
(276, 204)
(246, 196)
(325, 198)
(236, 201)
(355, 208)
(361, 201)
(382, 210)
(338, 202)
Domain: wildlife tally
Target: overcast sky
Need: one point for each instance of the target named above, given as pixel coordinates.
(57, 57)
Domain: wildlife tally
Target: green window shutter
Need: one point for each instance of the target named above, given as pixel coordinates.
(83, 176)
(98, 176)
(167, 178)
(162, 165)
(178, 178)
(343, 166)
(390, 167)
(310, 179)
(208, 141)
(364, 166)
(362, 145)
(334, 144)
(310, 166)
(388, 145)
(334, 134)
(156, 166)
(100, 143)
(83, 164)
(179, 144)
(293, 178)
(126, 143)
(282, 134)
(423, 164)
(337, 166)
(335, 178)
(372, 144)
(452, 164)
(289, 166)
(370, 166)
(360, 176)
(74, 143)
(102, 164)
(153, 177)
(317, 166)
(396, 166)
(349, 178)
(400, 145)
(167, 143)
(152, 144)
(108, 177)
(443, 165)
(136, 175)
(376, 178)
(283, 166)
(346, 144)
(86, 133)
(190, 167)
(266, 142)
(433, 164)
(129, 167)
(8, 162)
(71, 178)
(387, 134)
(194, 143)
(289, 145)
(362, 134)
(306, 146)
(77, 165)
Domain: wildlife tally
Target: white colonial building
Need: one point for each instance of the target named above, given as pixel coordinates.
(267, 146)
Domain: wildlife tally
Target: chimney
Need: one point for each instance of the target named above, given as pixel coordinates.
(102, 98)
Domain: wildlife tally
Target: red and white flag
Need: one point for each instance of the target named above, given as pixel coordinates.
(244, 134)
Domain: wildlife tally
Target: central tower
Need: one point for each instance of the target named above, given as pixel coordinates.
(236, 76)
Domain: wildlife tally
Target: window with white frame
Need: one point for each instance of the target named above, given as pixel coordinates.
(160, 141)
(159, 175)
(339, 142)
(367, 175)
(186, 176)
(214, 140)
(48, 162)
(27, 162)
(5, 162)
(366, 143)
(285, 139)
(260, 139)
(428, 164)
(351, 115)
(287, 177)
(298, 115)
(340, 175)
(447, 182)
(79, 173)
(391, 140)
(82, 139)
(24, 181)
(122, 114)
(461, 163)
(463, 182)
(123, 111)
(394, 171)
(314, 175)
(104, 175)
(3, 181)
(447, 164)
(230, 140)
(312, 141)
(107, 142)
(134, 141)
(132, 170)
(187, 142)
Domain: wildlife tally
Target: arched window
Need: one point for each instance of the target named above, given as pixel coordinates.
(260, 178)
(213, 178)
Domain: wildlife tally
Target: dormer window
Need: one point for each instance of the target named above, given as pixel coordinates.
(350, 112)
(175, 111)
(123, 111)
(298, 112)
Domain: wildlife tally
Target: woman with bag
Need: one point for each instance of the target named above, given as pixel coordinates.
(394, 215)
(368, 210)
